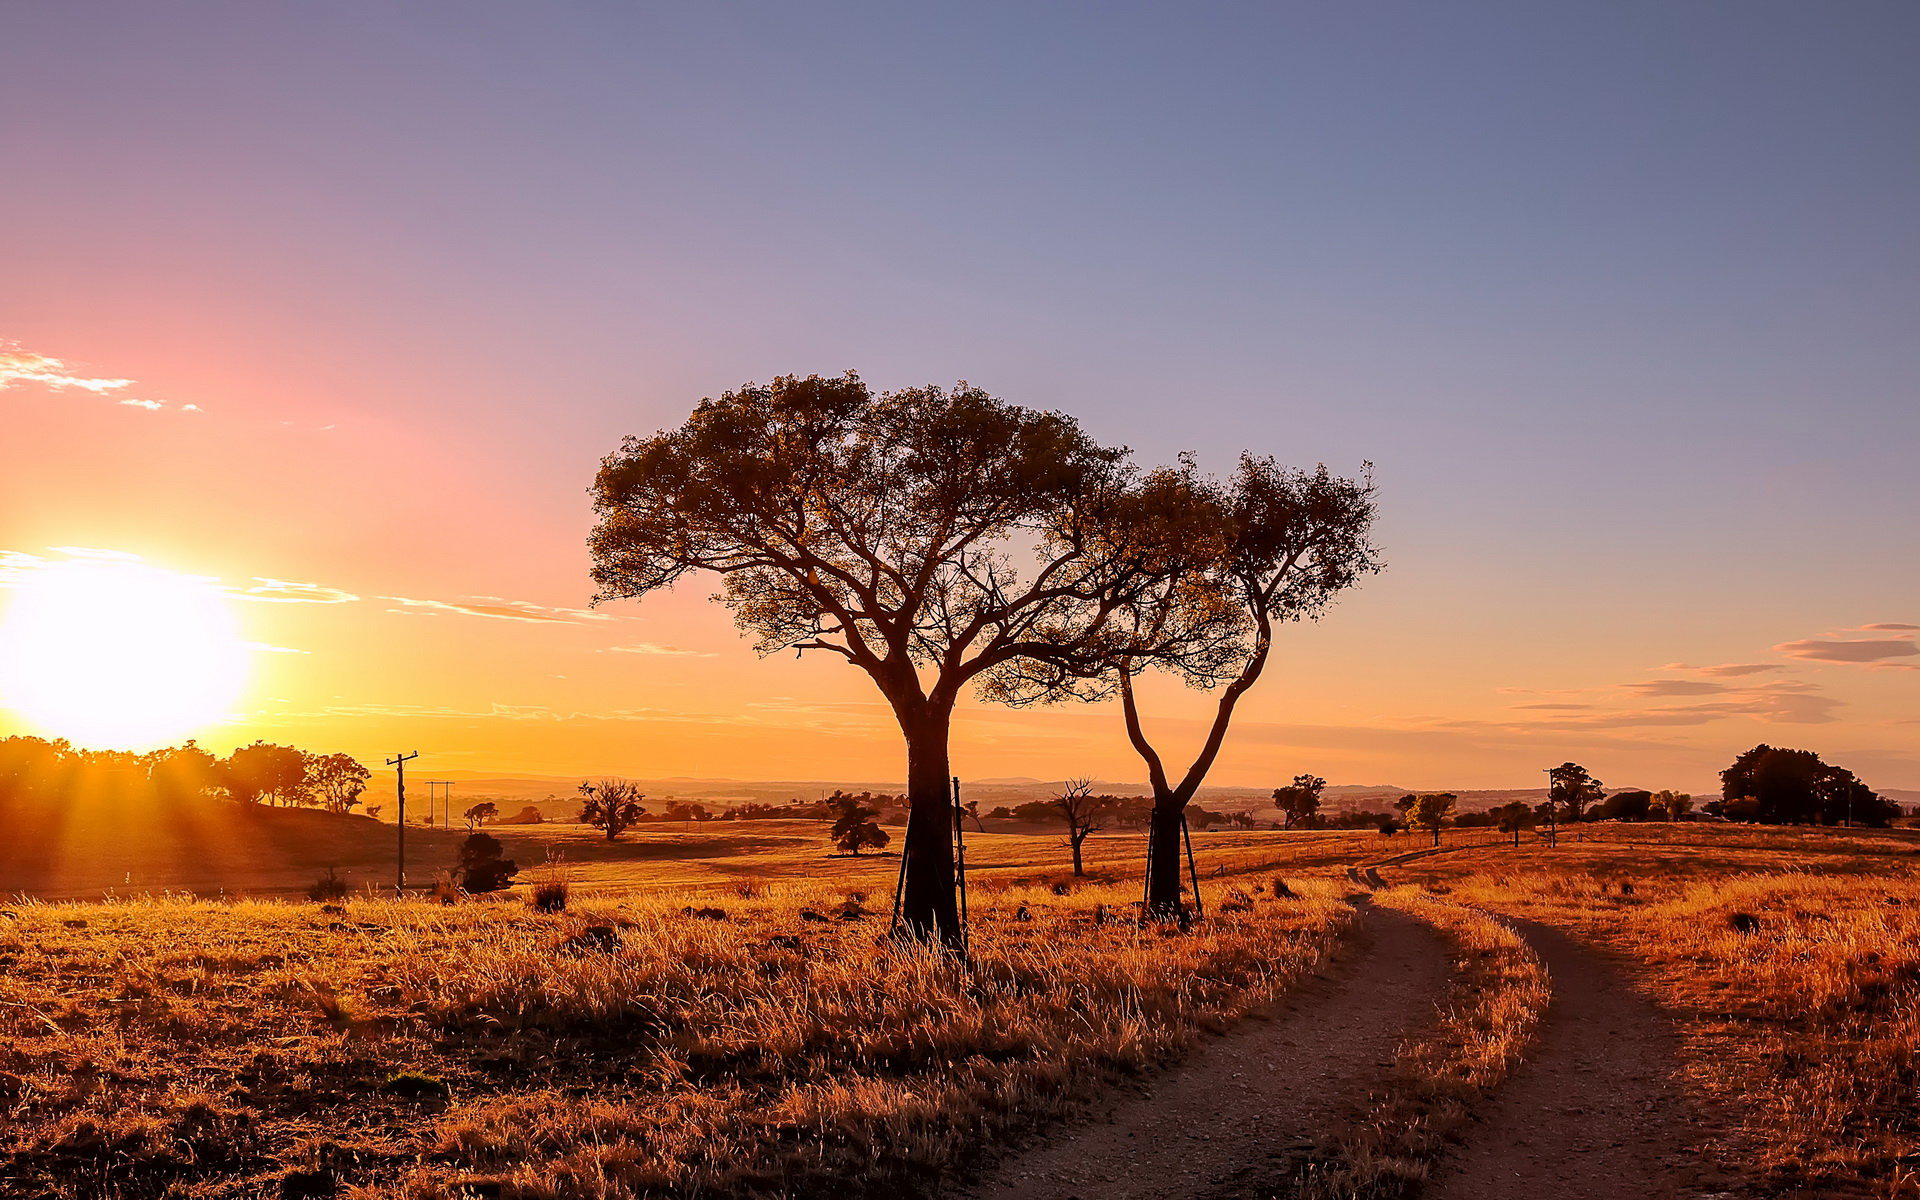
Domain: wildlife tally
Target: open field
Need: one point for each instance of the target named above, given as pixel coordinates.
(719, 1013)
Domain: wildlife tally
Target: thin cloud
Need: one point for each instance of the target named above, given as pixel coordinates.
(498, 609)
(1884, 626)
(1550, 707)
(1725, 670)
(1864, 650)
(266, 648)
(656, 648)
(20, 367)
(1673, 687)
(287, 591)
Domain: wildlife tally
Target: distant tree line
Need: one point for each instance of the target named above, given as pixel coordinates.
(34, 768)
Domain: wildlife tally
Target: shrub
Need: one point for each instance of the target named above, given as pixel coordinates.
(482, 869)
(328, 888)
(550, 896)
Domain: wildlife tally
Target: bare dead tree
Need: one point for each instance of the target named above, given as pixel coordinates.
(1082, 813)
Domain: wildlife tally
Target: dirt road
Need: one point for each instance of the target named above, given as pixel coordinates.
(1239, 1110)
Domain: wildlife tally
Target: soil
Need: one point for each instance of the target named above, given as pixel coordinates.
(1242, 1111)
(1594, 1111)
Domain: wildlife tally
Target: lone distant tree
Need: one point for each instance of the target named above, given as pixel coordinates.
(336, 781)
(890, 531)
(1674, 806)
(1268, 545)
(482, 869)
(1515, 818)
(265, 771)
(612, 805)
(1082, 814)
(1573, 790)
(1299, 801)
(480, 814)
(1431, 810)
(854, 827)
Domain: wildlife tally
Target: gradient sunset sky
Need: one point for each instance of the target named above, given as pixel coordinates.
(340, 305)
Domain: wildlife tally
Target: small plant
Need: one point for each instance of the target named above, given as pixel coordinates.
(328, 888)
(482, 869)
(416, 1084)
(550, 896)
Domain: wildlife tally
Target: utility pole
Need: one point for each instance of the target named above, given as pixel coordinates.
(1553, 823)
(446, 802)
(399, 764)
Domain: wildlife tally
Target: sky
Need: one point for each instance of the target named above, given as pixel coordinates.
(336, 308)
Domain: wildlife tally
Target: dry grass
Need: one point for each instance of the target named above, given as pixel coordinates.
(1497, 993)
(1791, 962)
(623, 1048)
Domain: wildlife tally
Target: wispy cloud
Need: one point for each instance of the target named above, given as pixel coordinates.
(266, 648)
(1673, 687)
(499, 609)
(1725, 670)
(20, 367)
(287, 591)
(656, 648)
(1861, 650)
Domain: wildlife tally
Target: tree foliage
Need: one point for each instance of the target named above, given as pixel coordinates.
(612, 805)
(854, 828)
(1795, 787)
(1299, 801)
(1572, 791)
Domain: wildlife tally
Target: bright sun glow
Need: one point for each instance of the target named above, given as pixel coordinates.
(119, 655)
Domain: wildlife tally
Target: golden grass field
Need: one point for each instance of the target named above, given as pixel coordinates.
(779, 1044)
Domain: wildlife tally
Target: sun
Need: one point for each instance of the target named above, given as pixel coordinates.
(119, 655)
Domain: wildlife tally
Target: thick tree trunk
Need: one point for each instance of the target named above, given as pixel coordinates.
(1163, 860)
(928, 903)
(1078, 870)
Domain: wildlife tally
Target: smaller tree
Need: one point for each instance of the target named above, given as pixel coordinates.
(336, 780)
(1671, 805)
(1082, 812)
(1389, 826)
(480, 814)
(264, 771)
(612, 805)
(482, 868)
(1573, 790)
(1514, 818)
(1431, 810)
(854, 827)
(1631, 805)
(1299, 801)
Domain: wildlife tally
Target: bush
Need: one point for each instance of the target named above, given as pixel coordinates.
(481, 867)
(550, 896)
(327, 888)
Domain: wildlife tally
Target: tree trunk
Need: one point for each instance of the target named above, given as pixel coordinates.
(1163, 861)
(928, 904)
(1077, 869)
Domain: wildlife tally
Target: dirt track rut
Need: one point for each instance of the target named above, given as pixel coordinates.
(1594, 1110)
(1231, 1112)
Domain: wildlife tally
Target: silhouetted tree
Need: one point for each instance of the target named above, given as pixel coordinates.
(1629, 805)
(1572, 789)
(854, 827)
(182, 772)
(1431, 810)
(1515, 818)
(264, 771)
(482, 869)
(480, 814)
(1299, 801)
(335, 781)
(1082, 812)
(1672, 806)
(1269, 544)
(887, 530)
(612, 805)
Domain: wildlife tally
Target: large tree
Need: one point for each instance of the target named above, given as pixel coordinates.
(1268, 545)
(1299, 801)
(1573, 790)
(937, 540)
(1793, 787)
